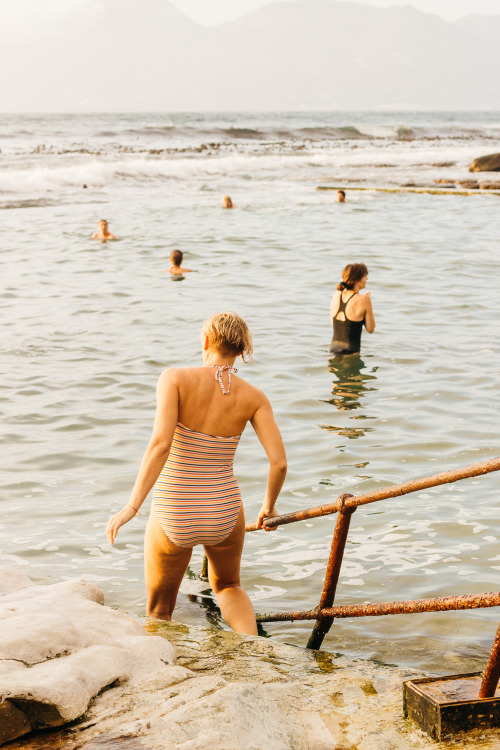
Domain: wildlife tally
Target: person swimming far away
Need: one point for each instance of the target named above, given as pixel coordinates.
(103, 234)
(227, 202)
(340, 196)
(201, 413)
(176, 269)
(350, 309)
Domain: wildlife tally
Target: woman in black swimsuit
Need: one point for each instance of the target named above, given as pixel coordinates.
(349, 310)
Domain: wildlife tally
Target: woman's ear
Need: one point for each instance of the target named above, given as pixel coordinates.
(204, 339)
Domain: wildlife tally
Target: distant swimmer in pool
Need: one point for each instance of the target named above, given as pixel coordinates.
(227, 202)
(340, 196)
(176, 268)
(349, 310)
(103, 234)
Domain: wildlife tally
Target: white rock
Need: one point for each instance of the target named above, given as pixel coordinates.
(69, 683)
(12, 579)
(59, 647)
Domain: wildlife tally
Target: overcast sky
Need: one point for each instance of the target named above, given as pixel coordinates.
(217, 11)
(210, 12)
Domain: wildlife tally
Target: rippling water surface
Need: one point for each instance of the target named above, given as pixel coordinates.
(88, 327)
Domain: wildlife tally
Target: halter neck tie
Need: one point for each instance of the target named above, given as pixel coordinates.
(219, 370)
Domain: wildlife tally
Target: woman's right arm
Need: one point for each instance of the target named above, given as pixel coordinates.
(267, 431)
(167, 408)
(334, 306)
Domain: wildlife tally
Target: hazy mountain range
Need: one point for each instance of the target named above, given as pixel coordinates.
(132, 55)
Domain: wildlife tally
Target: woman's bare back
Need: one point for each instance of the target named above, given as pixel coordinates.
(203, 407)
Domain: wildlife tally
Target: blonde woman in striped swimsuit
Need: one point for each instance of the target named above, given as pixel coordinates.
(201, 413)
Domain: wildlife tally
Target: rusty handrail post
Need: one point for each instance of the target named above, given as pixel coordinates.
(323, 624)
(204, 569)
(492, 672)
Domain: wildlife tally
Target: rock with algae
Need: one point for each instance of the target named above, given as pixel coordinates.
(237, 692)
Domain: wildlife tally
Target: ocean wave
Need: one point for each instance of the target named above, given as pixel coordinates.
(246, 133)
(148, 130)
(273, 131)
(28, 203)
(153, 129)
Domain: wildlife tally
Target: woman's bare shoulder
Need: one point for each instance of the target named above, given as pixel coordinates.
(256, 396)
(177, 374)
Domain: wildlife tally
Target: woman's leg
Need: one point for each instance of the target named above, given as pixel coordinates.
(224, 577)
(164, 566)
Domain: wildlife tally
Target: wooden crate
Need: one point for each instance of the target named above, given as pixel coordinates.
(443, 706)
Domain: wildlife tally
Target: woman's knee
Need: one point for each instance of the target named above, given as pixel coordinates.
(220, 583)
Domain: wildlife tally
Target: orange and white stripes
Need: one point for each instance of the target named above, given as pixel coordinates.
(196, 498)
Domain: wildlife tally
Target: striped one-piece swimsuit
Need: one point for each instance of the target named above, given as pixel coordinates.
(196, 498)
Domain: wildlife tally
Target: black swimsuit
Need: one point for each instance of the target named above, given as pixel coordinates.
(346, 333)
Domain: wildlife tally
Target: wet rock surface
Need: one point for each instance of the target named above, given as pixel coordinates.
(13, 722)
(451, 183)
(234, 692)
(490, 163)
(490, 186)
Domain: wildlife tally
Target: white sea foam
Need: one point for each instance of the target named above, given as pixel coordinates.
(61, 154)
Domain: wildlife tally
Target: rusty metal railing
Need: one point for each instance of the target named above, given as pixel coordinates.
(491, 674)
(345, 506)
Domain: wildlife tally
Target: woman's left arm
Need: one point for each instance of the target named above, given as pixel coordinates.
(167, 409)
(369, 316)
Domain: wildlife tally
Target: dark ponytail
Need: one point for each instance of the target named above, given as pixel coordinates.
(351, 274)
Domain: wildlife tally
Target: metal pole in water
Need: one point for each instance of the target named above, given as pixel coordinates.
(492, 672)
(323, 624)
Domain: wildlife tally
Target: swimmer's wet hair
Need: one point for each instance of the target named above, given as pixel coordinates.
(176, 257)
(227, 332)
(351, 274)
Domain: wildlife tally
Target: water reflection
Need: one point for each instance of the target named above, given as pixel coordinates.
(351, 384)
(205, 598)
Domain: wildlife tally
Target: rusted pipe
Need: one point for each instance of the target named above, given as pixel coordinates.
(438, 604)
(339, 540)
(204, 569)
(492, 672)
(413, 485)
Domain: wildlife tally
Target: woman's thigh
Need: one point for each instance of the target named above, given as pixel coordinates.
(164, 562)
(224, 558)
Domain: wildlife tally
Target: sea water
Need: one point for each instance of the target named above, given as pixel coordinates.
(88, 327)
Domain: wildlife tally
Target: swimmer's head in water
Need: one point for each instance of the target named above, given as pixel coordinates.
(227, 202)
(103, 223)
(340, 196)
(228, 333)
(176, 257)
(351, 274)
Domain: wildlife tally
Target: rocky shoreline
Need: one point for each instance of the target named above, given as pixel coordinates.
(75, 674)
